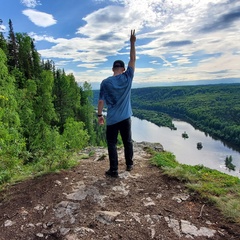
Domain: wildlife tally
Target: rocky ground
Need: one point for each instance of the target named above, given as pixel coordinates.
(84, 204)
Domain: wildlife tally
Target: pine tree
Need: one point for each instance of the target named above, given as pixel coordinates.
(87, 110)
(3, 42)
(10, 137)
(12, 48)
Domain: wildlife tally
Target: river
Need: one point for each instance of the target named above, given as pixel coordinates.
(212, 155)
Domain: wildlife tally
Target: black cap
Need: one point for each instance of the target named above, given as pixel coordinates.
(118, 63)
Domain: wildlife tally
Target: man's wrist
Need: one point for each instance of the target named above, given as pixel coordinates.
(99, 115)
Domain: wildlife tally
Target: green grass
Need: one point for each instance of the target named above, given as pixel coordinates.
(20, 171)
(221, 189)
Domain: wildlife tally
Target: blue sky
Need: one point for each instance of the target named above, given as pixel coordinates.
(178, 41)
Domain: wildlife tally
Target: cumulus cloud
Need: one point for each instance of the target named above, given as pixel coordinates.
(2, 28)
(224, 21)
(30, 3)
(177, 43)
(173, 33)
(40, 19)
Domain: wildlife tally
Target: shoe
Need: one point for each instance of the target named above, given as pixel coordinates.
(129, 168)
(111, 173)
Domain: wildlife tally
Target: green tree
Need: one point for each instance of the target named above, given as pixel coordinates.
(44, 112)
(229, 164)
(66, 98)
(12, 48)
(61, 98)
(26, 100)
(11, 141)
(87, 114)
(3, 42)
(75, 136)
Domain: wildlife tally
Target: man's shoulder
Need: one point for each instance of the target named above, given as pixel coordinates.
(107, 79)
(131, 68)
(129, 72)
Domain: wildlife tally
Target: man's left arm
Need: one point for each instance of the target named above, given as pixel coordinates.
(100, 109)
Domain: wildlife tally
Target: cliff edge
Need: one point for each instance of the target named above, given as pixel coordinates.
(82, 203)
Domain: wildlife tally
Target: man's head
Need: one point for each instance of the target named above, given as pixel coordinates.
(118, 64)
(118, 67)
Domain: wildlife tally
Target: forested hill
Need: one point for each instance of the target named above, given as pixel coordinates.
(214, 109)
(45, 116)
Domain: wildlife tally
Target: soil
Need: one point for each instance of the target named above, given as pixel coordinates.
(82, 203)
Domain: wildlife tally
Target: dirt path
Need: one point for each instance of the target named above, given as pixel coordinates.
(84, 204)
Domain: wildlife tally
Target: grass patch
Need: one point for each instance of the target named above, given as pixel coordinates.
(40, 166)
(220, 188)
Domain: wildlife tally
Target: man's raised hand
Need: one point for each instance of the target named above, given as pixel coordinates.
(133, 36)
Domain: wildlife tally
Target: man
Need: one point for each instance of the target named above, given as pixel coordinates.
(115, 91)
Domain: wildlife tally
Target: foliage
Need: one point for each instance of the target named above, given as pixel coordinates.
(87, 110)
(160, 119)
(44, 115)
(214, 109)
(220, 188)
(11, 141)
(75, 136)
(229, 164)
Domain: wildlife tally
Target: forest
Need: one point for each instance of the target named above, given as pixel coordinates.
(45, 116)
(214, 109)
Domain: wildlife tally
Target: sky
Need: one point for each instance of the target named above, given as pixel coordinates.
(178, 41)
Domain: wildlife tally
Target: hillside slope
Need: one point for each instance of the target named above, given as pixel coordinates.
(84, 204)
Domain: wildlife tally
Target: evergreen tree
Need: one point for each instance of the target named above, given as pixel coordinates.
(35, 56)
(11, 141)
(26, 100)
(66, 97)
(87, 110)
(60, 91)
(3, 42)
(12, 48)
(28, 59)
(44, 112)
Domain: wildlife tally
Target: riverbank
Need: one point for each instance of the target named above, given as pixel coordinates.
(83, 204)
(212, 155)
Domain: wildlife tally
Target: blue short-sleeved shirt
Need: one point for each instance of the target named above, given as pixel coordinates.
(116, 92)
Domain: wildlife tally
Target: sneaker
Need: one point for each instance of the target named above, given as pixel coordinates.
(129, 168)
(111, 173)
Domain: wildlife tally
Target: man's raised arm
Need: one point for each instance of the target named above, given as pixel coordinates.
(132, 50)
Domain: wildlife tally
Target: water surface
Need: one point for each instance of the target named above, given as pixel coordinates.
(212, 155)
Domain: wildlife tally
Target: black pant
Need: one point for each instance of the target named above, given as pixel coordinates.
(124, 127)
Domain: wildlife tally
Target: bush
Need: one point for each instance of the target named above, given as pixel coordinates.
(75, 136)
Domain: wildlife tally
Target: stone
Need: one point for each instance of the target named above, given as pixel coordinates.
(122, 189)
(83, 230)
(40, 235)
(190, 229)
(106, 217)
(174, 224)
(39, 207)
(8, 223)
(148, 202)
(180, 197)
(57, 183)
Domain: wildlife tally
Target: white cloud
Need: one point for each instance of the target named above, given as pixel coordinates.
(2, 28)
(170, 32)
(30, 3)
(40, 19)
(87, 65)
(43, 38)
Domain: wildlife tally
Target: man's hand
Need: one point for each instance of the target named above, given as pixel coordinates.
(133, 37)
(132, 50)
(101, 120)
